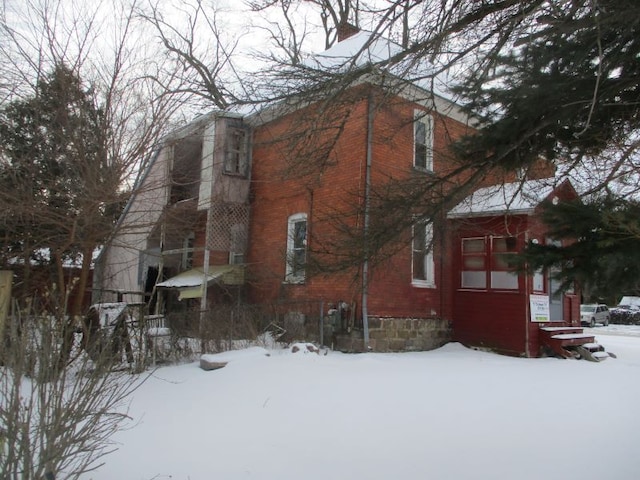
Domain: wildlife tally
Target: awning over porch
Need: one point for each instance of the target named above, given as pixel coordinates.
(190, 283)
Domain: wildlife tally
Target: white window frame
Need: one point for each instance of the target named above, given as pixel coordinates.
(425, 252)
(291, 275)
(422, 119)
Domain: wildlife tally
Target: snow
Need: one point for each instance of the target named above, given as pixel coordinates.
(369, 48)
(571, 336)
(451, 413)
(190, 278)
(517, 197)
(361, 49)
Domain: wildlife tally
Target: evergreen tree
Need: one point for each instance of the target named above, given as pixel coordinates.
(603, 252)
(57, 180)
(570, 93)
(570, 90)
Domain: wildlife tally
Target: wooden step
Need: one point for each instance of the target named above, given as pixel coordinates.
(560, 340)
(558, 330)
(567, 339)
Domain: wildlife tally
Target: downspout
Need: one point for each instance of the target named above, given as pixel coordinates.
(527, 306)
(367, 190)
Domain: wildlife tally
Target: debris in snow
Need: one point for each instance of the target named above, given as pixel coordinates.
(305, 348)
(208, 365)
(214, 361)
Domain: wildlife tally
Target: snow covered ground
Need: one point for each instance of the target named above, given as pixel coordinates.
(451, 413)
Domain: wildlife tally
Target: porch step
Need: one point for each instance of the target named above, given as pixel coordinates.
(571, 342)
(560, 330)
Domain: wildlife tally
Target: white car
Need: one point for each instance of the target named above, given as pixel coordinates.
(591, 314)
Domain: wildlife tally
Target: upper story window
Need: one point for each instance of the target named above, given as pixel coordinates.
(488, 262)
(296, 248)
(423, 268)
(422, 141)
(236, 151)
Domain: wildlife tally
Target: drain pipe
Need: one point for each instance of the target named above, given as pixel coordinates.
(367, 189)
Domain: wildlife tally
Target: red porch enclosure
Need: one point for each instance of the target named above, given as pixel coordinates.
(494, 306)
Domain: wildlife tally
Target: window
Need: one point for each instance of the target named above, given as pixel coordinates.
(489, 262)
(423, 141)
(237, 243)
(236, 258)
(474, 269)
(296, 248)
(538, 281)
(503, 275)
(236, 154)
(423, 270)
(187, 251)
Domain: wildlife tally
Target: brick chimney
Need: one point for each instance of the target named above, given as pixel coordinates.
(346, 30)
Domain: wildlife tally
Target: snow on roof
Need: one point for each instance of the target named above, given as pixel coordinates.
(514, 198)
(190, 278)
(368, 48)
(359, 49)
(194, 277)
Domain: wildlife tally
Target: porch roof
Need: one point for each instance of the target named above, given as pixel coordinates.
(518, 198)
(190, 282)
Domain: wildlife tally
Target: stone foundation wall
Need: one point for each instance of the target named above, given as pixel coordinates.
(397, 335)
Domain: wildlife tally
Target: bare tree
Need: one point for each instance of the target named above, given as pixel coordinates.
(116, 68)
(199, 47)
(56, 424)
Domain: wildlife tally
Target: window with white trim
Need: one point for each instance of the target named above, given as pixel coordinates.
(422, 264)
(423, 141)
(296, 248)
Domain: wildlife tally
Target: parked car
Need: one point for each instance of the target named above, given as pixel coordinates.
(591, 314)
(627, 312)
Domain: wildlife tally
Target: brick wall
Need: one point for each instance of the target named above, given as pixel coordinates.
(290, 176)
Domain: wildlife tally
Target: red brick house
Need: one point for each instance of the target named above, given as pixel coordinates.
(238, 208)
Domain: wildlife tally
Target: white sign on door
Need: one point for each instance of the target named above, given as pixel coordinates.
(539, 308)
